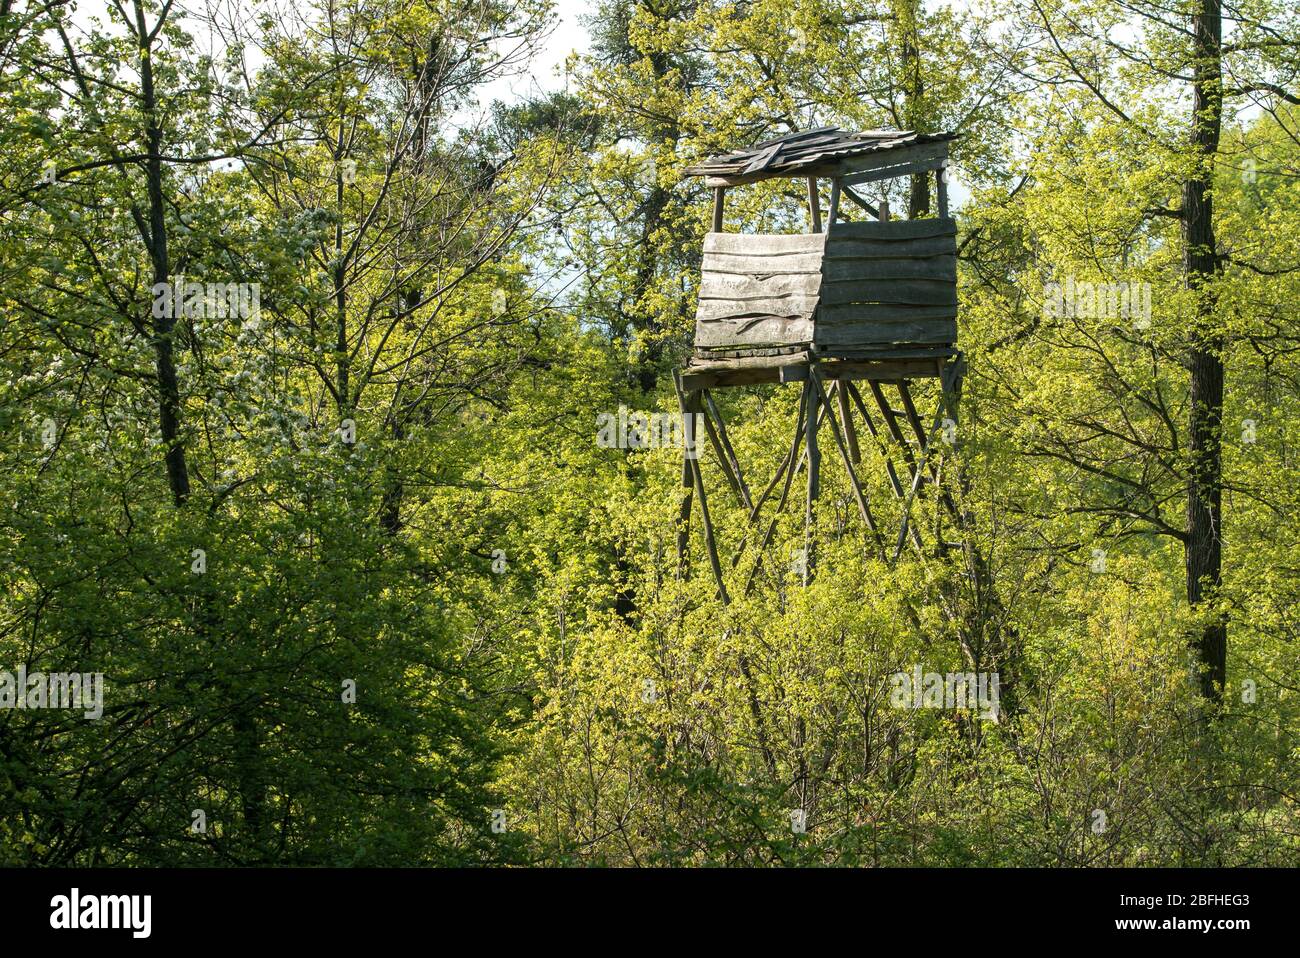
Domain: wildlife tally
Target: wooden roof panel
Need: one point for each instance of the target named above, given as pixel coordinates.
(795, 153)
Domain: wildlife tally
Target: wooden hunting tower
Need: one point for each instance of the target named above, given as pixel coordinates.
(877, 289)
(864, 299)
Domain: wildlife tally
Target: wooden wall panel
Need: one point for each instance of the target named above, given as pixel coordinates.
(858, 285)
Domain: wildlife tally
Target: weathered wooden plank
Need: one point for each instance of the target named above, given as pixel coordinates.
(793, 305)
(917, 292)
(751, 352)
(893, 229)
(709, 378)
(750, 362)
(736, 372)
(764, 244)
(800, 136)
(890, 249)
(769, 264)
(897, 156)
(708, 375)
(930, 267)
(942, 331)
(882, 351)
(806, 150)
(889, 172)
(888, 369)
(869, 313)
(748, 285)
(712, 333)
(764, 159)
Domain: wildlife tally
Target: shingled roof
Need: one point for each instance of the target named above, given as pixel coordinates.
(797, 154)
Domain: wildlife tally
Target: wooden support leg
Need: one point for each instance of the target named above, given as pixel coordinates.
(807, 413)
(727, 452)
(846, 423)
(795, 461)
(693, 403)
(882, 444)
(710, 544)
(907, 514)
(814, 477)
(688, 486)
(858, 495)
(788, 463)
(724, 461)
(910, 407)
(814, 205)
(891, 422)
(950, 378)
(789, 468)
(790, 460)
(923, 466)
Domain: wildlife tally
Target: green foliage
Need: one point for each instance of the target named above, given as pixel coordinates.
(410, 611)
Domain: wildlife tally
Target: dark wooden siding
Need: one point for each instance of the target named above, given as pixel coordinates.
(889, 283)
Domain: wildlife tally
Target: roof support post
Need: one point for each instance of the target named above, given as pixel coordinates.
(719, 194)
(814, 205)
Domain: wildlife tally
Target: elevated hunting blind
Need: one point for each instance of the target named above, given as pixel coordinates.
(875, 289)
(867, 298)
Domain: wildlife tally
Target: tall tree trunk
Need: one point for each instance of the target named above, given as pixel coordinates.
(653, 212)
(1203, 548)
(248, 763)
(390, 507)
(249, 768)
(647, 364)
(913, 84)
(339, 275)
(169, 401)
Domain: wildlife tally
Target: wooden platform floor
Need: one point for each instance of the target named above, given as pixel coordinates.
(713, 371)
